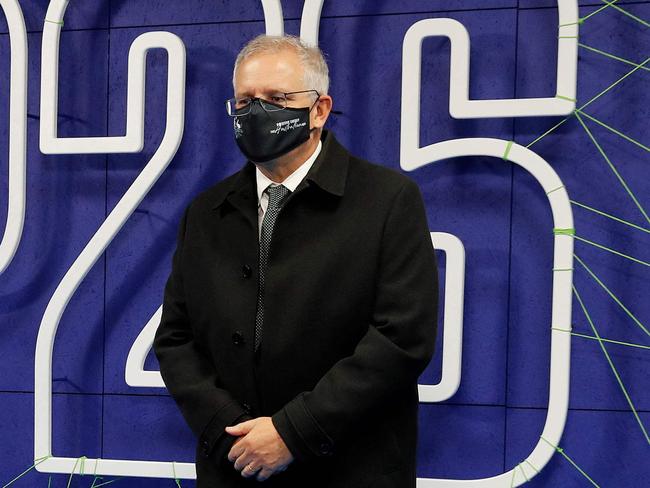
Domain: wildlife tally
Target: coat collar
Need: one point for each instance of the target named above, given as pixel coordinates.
(329, 173)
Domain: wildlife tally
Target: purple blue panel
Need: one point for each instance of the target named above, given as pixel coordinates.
(86, 14)
(159, 12)
(65, 206)
(460, 442)
(154, 429)
(526, 4)
(589, 181)
(608, 446)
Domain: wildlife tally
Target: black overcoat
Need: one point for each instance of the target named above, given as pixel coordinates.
(351, 297)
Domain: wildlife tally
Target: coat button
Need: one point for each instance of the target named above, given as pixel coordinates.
(247, 408)
(246, 271)
(206, 451)
(325, 448)
(238, 338)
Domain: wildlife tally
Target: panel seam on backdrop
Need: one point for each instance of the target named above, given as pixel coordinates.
(595, 4)
(189, 24)
(261, 20)
(512, 191)
(423, 405)
(108, 91)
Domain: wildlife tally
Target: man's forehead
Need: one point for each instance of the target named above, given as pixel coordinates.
(276, 56)
(269, 71)
(252, 86)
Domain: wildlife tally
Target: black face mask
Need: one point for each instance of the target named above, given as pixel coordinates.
(263, 136)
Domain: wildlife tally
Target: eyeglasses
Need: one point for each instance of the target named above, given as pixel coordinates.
(274, 103)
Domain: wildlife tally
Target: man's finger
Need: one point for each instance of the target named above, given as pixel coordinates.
(242, 461)
(241, 428)
(264, 474)
(250, 470)
(236, 452)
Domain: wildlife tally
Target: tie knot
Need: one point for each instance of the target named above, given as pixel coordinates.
(276, 194)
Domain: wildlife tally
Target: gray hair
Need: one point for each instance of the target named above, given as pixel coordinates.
(316, 73)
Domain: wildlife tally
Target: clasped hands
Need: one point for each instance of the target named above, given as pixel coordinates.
(259, 449)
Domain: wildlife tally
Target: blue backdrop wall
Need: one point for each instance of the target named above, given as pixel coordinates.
(498, 211)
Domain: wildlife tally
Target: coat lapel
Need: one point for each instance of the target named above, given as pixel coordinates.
(242, 195)
(329, 173)
(330, 169)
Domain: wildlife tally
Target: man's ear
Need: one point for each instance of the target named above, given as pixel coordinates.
(321, 111)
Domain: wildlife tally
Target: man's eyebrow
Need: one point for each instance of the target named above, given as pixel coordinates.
(266, 91)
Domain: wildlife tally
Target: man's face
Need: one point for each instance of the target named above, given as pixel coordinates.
(265, 75)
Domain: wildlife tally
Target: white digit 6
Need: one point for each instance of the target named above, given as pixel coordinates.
(412, 156)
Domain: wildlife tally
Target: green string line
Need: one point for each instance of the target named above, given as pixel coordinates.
(564, 232)
(562, 269)
(580, 21)
(630, 314)
(566, 456)
(612, 167)
(81, 469)
(609, 4)
(610, 87)
(612, 56)
(621, 79)
(107, 482)
(54, 22)
(554, 189)
(523, 472)
(612, 251)
(642, 146)
(512, 481)
(625, 12)
(72, 473)
(600, 212)
(529, 464)
(507, 151)
(176, 480)
(585, 336)
(552, 129)
(566, 98)
(36, 462)
(95, 474)
(611, 364)
(600, 246)
(49, 481)
(567, 37)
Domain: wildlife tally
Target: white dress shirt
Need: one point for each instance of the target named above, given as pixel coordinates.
(291, 182)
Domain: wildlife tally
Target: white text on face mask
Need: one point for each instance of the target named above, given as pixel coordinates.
(287, 125)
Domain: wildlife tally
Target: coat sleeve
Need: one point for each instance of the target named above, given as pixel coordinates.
(186, 369)
(395, 350)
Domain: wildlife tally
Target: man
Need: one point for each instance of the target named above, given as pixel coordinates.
(301, 306)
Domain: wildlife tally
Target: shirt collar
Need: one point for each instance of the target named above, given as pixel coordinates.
(329, 173)
(291, 181)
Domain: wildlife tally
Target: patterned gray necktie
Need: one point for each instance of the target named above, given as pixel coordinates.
(276, 196)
